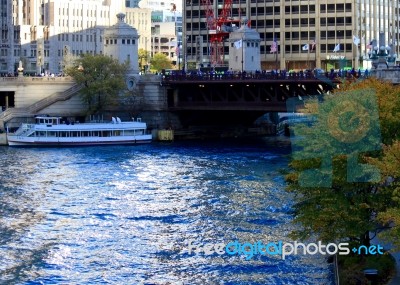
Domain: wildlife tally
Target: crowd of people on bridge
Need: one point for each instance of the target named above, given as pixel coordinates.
(9, 74)
(215, 74)
(43, 74)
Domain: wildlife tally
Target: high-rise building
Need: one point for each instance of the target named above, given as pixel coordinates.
(41, 33)
(166, 28)
(308, 34)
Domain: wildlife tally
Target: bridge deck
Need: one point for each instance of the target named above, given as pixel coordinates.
(254, 92)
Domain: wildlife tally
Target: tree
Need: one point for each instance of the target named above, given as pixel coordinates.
(68, 60)
(389, 164)
(329, 205)
(143, 55)
(131, 102)
(102, 78)
(160, 61)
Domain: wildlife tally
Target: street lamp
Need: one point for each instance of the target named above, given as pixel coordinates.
(376, 48)
(382, 56)
(178, 55)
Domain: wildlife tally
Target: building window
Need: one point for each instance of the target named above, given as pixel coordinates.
(331, 8)
(123, 41)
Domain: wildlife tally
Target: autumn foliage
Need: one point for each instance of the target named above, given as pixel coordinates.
(347, 210)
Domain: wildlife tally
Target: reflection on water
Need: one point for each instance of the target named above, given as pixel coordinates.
(124, 215)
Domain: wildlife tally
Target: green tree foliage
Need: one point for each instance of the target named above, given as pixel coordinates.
(102, 78)
(389, 159)
(389, 163)
(143, 56)
(346, 210)
(160, 61)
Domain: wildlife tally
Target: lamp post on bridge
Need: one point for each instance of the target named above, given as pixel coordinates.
(382, 56)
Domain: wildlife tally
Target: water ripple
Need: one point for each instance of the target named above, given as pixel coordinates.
(125, 215)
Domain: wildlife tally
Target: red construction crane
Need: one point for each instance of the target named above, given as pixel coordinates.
(217, 30)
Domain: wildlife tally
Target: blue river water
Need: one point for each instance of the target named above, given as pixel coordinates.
(126, 215)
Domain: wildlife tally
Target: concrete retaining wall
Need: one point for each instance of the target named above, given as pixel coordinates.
(3, 139)
(29, 90)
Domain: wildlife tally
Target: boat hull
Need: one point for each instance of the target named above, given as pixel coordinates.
(53, 132)
(34, 142)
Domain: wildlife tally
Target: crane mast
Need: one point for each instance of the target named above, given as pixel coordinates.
(217, 29)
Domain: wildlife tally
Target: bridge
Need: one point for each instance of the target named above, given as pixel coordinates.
(237, 99)
(238, 92)
(180, 101)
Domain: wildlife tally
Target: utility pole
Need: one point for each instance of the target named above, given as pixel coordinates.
(242, 46)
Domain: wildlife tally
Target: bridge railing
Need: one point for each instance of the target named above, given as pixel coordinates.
(242, 76)
(333, 77)
(33, 79)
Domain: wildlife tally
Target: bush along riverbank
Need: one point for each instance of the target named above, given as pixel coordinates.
(366, 269)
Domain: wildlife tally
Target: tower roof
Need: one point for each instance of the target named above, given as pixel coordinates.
(244, 33)
(121, 29)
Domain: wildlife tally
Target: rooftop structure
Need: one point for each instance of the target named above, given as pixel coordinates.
(121, 41)
(244, 49)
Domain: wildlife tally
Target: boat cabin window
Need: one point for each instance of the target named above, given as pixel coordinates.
(47, 120)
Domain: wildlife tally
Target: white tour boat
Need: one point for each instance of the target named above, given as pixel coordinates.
(52, 131)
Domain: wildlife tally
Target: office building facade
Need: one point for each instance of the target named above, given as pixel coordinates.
(43, 34)
(308, 34)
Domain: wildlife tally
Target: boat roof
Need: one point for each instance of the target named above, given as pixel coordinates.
(47, 117)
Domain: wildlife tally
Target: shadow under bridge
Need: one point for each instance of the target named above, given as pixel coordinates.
(268, 95)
